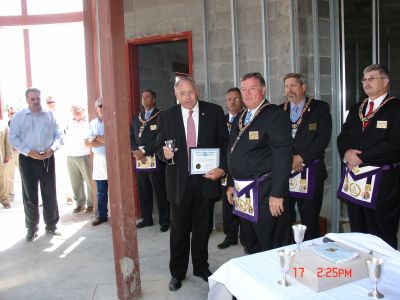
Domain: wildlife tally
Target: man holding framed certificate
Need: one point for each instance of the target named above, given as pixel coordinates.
(200, 137)
(150, 171)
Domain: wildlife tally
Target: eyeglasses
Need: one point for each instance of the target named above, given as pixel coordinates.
(364, 80)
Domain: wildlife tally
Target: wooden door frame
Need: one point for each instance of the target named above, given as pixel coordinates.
(132, 58)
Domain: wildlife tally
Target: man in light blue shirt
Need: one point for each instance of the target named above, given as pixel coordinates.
(97, 143)
(35, 133)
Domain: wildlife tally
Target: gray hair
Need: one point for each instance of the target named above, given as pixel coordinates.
(378, 67)
(300, 77)
(31, 90)
(181, 78)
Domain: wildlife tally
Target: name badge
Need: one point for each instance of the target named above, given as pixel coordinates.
(381, 124)
(153, 127)
(312, 126)
(253, 135)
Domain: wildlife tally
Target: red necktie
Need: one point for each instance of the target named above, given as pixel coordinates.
(370, 110)
(190, 131)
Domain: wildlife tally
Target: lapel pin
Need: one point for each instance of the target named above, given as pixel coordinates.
(202, 114)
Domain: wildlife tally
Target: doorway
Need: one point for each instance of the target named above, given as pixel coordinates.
(154, 62)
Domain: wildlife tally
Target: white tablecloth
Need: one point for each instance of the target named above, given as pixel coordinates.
(255, 276)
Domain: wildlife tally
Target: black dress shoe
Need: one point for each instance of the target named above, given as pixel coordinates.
(144, 224)
(203, 274)
(227, 242)
(174, 284)
(164, 228)
(98, 221)
(31, 234)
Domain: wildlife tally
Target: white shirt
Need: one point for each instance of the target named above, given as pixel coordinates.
(377, 101)
(195, 116)
(231, 117)
(75, 135)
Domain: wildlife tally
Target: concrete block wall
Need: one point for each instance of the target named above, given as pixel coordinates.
(279, 44)
(155, 69)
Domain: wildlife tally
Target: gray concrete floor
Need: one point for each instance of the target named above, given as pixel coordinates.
(79, 264)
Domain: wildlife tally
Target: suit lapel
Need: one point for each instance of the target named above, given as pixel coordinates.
(202, 124)
(181, 136)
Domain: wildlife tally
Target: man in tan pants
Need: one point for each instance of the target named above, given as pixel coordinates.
(5, 156)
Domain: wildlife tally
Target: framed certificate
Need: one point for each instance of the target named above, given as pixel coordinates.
(203, 160)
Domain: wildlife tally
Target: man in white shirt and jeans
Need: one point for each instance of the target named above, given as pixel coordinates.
(78, 160)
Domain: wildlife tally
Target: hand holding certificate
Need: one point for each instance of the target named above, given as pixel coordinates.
(204, 161)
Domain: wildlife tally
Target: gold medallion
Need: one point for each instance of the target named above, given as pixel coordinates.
(355, 189)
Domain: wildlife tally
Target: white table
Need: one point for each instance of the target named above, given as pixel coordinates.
(255, 276)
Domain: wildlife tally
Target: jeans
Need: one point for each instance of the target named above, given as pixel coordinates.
(102, 198)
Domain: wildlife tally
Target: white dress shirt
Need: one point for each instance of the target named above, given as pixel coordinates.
(377, 101)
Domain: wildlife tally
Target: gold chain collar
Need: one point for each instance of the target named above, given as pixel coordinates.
(243, 128)
(296, 124)
(365, 119)
(144, 122)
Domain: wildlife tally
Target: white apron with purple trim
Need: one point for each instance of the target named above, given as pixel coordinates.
(361, 185)
(301, 184)
(246, 197)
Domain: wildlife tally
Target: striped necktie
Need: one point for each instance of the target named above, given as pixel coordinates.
(248, 118)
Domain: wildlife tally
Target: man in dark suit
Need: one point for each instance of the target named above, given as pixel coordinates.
(150, 180)
(311, 131)
(234, 104)
(260, 157)
(192, 123)
(371, 137)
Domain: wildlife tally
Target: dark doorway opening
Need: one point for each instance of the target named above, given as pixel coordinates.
(154, 62)
(370, 34)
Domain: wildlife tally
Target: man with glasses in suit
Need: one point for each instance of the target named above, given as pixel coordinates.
(370, 138)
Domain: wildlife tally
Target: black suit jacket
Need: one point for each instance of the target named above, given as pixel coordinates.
(212, 133)
(379, 146)
(271, 151)
(313, 135)
(149, 133)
